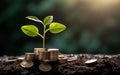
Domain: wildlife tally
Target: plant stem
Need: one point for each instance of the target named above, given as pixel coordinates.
(44, 36)
(40, 35)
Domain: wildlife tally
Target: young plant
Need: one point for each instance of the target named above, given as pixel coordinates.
(33, 31)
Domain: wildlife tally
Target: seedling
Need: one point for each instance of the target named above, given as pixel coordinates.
(33, 31)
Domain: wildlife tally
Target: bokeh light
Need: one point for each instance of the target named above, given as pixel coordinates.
(93, 26)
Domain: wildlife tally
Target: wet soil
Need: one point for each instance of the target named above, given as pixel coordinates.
(105, 65)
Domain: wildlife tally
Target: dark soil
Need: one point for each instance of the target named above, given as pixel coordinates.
(105, 65)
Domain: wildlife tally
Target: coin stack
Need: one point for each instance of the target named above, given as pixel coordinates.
(29, 56)
(43, 56)
(53, 54)
(37, 51)
(27, 62)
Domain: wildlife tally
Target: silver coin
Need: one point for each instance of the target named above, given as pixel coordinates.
(90, 61)
(45, 67)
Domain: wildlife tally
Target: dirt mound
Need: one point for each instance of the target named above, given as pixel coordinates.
(105, 65)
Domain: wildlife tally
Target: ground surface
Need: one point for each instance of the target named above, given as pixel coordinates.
(105, 65)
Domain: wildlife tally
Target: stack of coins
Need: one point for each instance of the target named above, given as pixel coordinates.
(29, 56)
(27, 62)
(53, 54)
(43, 56)
(37, 51)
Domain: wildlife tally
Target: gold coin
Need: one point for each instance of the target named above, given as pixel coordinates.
(45, 67)
(26, 64)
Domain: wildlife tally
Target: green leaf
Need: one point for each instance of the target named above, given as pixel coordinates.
(34, 18)
(56, 27)
(30, 30)
(48, 20)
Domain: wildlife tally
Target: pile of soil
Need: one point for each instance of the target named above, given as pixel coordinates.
(105, 65)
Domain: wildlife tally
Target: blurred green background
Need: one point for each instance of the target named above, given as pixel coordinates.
(92, 26)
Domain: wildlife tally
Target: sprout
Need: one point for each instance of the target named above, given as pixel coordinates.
(33, 31)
